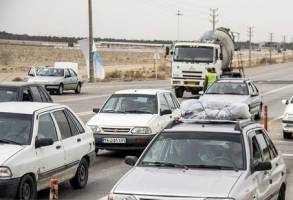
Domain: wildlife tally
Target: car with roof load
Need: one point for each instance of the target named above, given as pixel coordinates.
(287, 119)
(206, 160)
(23, 91)
(129, 119)
(235, 90)
(40, 141)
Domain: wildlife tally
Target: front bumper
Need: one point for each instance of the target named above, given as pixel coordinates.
(183, 82)
(287, 126)
(8, 187)
(133, 142)
(51, 86)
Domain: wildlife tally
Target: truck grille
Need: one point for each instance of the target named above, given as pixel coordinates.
(115, 130)
(192, 74)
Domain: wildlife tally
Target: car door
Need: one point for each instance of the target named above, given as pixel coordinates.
(164, 119)
(51, 159)
(67, 80)
(74, 78)
(254, 102)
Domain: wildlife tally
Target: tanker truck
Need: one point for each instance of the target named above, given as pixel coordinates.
(190, 60)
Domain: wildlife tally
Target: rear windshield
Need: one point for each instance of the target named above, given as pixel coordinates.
(8, 94)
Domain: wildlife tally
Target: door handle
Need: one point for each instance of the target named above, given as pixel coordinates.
(78, 140)
(58, 147)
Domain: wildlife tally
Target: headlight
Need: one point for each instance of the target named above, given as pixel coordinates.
(96, 129)
(141, 130)
(5, 172)
(121, 197)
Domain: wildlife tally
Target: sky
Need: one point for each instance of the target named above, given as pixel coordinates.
(147, 19)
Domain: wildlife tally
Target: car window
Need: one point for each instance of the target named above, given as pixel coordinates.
(251, 89)
(26, 95)
(256, 153)
(47, 128)
(163, 103)
(63, 124)
(254, 87)
(170, 101)
(272, 149)
(44, 95)
(263, 146)
(175, 101)
(36, 94)
(67, 74)
(76, 122)
(8, 94)
(72, 73)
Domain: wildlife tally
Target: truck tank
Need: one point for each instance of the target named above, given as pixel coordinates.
(225, 39)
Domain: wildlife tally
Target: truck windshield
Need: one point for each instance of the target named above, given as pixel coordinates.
(194, 54)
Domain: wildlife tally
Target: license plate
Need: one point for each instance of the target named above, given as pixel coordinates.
(114, 140)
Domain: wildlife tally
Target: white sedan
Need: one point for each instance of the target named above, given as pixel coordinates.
(288, 118)
(131, 118)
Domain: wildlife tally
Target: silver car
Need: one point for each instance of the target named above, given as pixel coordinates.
(206, 161)
(56, 79)
(236, 91)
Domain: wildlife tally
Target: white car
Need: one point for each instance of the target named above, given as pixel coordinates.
(208, 160)
(235, 91)
(288, 118)
(39, 141)
(131, 118)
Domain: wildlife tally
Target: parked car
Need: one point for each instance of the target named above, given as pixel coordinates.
(235, 91)
(288, 118)
(131, 118)
(39, 141)
(56, 79)
(23, 91)
(206, 160)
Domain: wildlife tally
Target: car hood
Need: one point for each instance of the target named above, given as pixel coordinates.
(8, 150)
(44, 79)
(225, 98)
(177, 182)
(121, 120)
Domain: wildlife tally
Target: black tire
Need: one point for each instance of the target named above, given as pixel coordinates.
(282, 193)
(78, 88)
(27, 188)
(287, 135)
(81, 177)
(60, 89)
(259, 114)
(179, 92)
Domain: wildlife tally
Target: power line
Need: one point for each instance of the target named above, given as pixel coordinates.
(178, 23)
(250, 34)
(214, 16)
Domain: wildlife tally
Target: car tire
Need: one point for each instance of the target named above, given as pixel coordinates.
(81, 177)
(282, 193)
(179, 92)
(258, 115)
(287, 135)
(27, 188)
(60, 89)
(78, 88)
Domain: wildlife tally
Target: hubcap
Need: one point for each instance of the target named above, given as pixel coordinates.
(82, 174)
(26, 191)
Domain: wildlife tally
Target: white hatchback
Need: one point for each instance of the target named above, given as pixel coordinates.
(39, 141)
(131, 118)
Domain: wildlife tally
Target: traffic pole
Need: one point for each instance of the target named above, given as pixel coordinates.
(54, 189)
(266, 117)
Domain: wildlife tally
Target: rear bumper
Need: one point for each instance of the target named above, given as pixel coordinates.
(188, 83)
(133, 142)
(8, 187)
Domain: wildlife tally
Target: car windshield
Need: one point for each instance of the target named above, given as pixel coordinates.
(50, 72)
(131, 103)
(234, 88)
(15, 128)
(196, 150)
(8, 94)
(194, 54)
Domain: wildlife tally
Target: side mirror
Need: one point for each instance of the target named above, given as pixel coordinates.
(171, 52)
(253, 95)
(200, 92)
(221, 56)
(130, 160)
(67, 76)
(166, 112)
(285, 101)
(43, 142)
(262, 166)
(96, 110)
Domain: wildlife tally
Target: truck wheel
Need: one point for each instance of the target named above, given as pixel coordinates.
(81, 177)
(287, 135)
(60, 89)
(179, 92)
(78, 88)
(27, 189)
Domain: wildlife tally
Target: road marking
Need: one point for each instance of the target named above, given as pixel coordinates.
(277, 90)
(83, 98)
(287, 155)
(283, 142)
(85, 113)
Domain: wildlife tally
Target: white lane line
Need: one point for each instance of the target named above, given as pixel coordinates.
(283, 142)
(83, 98)
(80, 114)
(287, 155)
(277, 90)
(276, 119)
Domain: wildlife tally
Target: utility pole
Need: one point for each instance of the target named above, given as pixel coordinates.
(91, 67)
(178, 23)
(214, 16)
(271, 43)
(292, 47)
(284, 48)
(250, 32)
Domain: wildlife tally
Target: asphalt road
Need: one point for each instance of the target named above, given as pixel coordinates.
(275, 83)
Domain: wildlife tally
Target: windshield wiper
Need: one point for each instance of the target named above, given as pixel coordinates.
(164, 164)
(9, 141)
(112, 111)
(138, 111)
(220, 167)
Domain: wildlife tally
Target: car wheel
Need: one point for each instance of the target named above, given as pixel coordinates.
(287, 135)
(60, 89)
(27, 189)
(282, 193)
(78, 88)
(81, 177)
(179, 92)
(258, 115)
